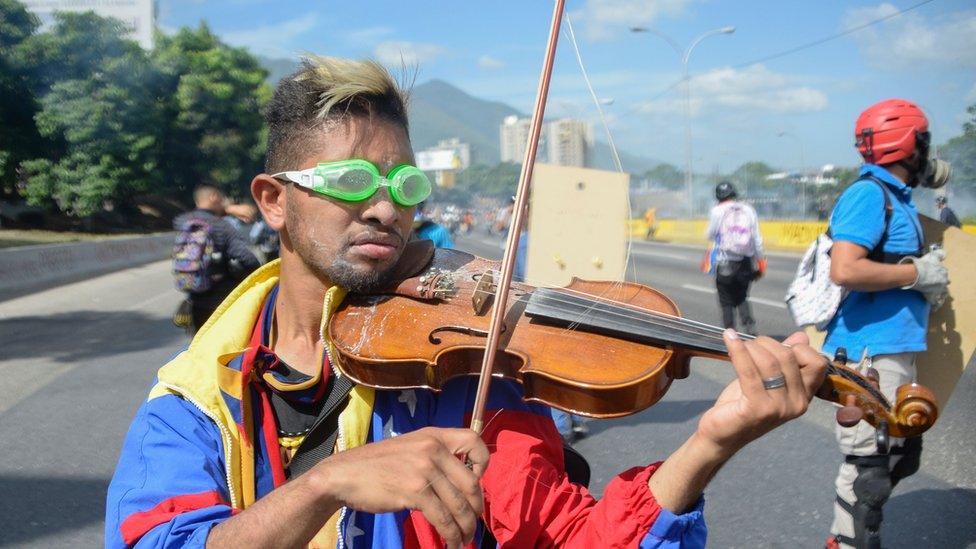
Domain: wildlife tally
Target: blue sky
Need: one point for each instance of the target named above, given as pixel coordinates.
(494, 50)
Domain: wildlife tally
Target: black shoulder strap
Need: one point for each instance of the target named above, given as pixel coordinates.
(877, 253)
(321, 438)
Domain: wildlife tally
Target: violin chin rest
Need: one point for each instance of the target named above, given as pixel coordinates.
(416, 255)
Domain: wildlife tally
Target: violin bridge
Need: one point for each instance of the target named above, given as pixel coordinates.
(483, 293)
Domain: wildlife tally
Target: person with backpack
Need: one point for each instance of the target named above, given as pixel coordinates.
(733, 227)
(210, 256)
(891, 284)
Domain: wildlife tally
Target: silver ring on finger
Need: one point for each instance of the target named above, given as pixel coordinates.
(774, 382)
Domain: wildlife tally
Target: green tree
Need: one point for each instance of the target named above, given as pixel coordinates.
(752, 173)
(19, 139)
(109, 124)
(76, 46)
(497, 181)
(214, 96)
(667, 175)
(960, 151)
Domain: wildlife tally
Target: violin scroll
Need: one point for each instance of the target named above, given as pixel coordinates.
(913, 412)
(915, 406)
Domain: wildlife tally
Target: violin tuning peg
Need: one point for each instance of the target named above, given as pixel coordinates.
(873, 376)
(840, 356)
(849, 416)
(881, 438)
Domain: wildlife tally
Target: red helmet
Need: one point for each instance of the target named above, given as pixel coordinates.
(887, 132)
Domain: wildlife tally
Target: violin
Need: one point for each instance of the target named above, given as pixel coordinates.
(595, 348)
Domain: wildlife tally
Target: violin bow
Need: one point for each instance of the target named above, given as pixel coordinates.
(515, 227)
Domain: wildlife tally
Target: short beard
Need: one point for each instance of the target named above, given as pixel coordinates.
(345, 275)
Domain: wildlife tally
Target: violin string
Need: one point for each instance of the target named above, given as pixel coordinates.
(677, 323)
(640, 314)
(633, 312)
(641, 317)
(669, 322)
(703, 325)
(662, 322)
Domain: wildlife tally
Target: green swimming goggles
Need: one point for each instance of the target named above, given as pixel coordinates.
(357, 180)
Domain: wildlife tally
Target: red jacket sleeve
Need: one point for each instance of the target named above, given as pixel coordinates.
(530, 502)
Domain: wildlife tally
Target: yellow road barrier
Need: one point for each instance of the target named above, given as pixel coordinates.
(777, 235)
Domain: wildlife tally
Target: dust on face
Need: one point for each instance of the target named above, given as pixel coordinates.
(352, 244)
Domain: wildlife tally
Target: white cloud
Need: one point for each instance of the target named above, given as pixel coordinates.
(754, 88)
(273, 40)
(489, 62)
(406, 53)
(367, 36)
(606, 19)
(912, 40)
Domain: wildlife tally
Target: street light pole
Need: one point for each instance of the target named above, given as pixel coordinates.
(803, 163)
(685, 56)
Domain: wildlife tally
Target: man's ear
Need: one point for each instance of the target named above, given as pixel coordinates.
(269, 194)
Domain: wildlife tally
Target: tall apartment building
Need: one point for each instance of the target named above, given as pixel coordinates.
(563, 142)
(139, 16)
(514, 136)
(567, 142)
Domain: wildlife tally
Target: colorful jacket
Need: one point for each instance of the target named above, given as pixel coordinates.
(198, 452)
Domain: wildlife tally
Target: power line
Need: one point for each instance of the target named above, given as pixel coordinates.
(802, 46)
(833, 36)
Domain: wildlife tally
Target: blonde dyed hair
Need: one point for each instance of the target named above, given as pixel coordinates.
(322, 91)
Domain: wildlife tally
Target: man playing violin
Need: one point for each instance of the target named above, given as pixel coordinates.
(206, 460)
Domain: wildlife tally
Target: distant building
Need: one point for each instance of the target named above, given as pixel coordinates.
(139, 16)
(563, 142)
(567, 141)
(445, 160)
(514, 137)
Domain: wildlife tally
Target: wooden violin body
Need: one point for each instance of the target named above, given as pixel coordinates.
(599, 349)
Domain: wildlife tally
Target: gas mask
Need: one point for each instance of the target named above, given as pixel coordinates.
(934, 172)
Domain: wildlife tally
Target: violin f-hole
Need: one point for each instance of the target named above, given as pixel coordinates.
(466, 330)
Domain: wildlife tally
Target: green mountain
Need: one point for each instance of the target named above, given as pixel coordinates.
(439, 111)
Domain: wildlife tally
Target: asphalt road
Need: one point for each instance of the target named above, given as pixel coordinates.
(79, 359)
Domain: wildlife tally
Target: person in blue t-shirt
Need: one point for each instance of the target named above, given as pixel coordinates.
(893, 282)
(425, 228)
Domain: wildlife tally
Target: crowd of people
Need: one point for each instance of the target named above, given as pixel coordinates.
(251, 437)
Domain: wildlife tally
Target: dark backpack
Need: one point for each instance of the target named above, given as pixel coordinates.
(195, 258)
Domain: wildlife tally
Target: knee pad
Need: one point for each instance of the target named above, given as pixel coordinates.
(911, 458)
(872, 487)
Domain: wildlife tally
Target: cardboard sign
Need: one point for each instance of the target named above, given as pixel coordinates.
(577, 225)
(951, 337)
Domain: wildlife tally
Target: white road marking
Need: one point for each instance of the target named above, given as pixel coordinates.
(759, 300)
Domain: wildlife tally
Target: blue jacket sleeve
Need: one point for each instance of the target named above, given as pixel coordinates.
(169, 488)
(859, 215)
(677, 531)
